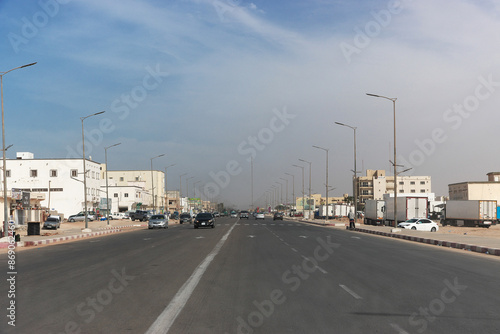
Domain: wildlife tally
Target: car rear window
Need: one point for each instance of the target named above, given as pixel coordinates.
(204, 215)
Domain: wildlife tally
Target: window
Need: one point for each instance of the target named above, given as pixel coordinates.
(74, 172)
(53, 173)
(121, 178)
(125, 195)
(115, 195)
(136, 178)
(422, 182)
(412, 191)
(33, 173)
(93, 174)
(422, 190)
(401, 182)
(7, 172)
(412, 182)
(400, 190)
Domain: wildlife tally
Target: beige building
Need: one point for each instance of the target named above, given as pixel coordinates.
(481, 190)
(376, 183)
(317, 200)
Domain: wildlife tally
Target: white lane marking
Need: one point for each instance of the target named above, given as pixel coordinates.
(352, 293)
(356, 237)
(166, 319)
(318, 267)
(399, 329)
(296, 251)
(200, 237)
(251, 236)
(302, 236)
(147, 239)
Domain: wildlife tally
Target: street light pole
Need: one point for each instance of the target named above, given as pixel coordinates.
(393, 99)
(153, 183)
(309, 201)
(293, 187)
(303, 192)
(286, 194)
(106, 162)
(326, 150)
(85, 170)
(355, 180)
(166, 188)
(180, 189)
(4, 172)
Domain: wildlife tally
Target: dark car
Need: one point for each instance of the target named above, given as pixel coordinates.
(278, 215)
(52, 222)
(244, 214)
(205, 219)
(185, 218)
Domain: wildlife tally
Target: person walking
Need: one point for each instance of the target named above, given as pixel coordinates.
(351, 217)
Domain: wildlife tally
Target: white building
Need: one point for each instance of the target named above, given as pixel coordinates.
(125, 198)
(59, 180)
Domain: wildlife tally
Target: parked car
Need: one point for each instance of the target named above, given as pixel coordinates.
(422, 224)
(244, 214)
(205, 219)
(158, 221)
(139, 215)
(185, 218)
(259, 215)
(278, 215)
(118, 215)
(80, 216)
(52, 222)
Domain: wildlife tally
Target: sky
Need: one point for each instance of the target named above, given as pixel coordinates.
(219, 86)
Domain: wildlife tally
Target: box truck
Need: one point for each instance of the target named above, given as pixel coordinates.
(470, 213)
(374, 212)
(408, 208)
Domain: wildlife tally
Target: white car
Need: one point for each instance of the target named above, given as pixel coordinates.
(259, 215)
(118, 215)
(422, 224)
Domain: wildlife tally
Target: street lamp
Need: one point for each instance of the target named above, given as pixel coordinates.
(187, 190)
(85, 170)
(355, 180)
(293, 187)
(5, 202)
(309, 201)
(152, 181)
(106, 162)
(393, 99)
(180, 190)
(286, 194)
(166, 188)
(303, 199)
(326, 150)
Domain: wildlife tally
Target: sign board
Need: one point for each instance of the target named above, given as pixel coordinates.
(25, 199)
(16, 194)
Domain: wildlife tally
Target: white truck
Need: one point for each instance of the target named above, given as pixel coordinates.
(470, 213)
(322, 211)
(408, 208)
(374, 212)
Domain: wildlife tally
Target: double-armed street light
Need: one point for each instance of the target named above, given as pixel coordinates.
(303, 196)
(166, 189)
(4, 172)
(309, 200)
(152, 182)
(326, 151)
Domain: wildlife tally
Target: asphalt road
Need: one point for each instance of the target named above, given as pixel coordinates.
(251, 277)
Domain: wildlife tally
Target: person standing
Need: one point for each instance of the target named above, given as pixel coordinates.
(351, 217)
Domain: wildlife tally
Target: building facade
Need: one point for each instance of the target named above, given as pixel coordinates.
(480, 190)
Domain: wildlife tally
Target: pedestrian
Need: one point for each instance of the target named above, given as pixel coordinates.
(351, 217)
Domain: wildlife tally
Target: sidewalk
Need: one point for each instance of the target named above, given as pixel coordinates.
(70, 231)
(481, 240)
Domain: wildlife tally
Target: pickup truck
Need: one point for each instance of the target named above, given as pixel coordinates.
(138, 215)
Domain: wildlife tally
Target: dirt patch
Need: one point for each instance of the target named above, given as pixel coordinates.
(493, 231)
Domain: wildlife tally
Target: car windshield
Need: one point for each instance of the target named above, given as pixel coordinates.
(158, 217)
(411, 220)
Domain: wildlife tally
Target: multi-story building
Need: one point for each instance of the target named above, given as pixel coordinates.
(479, 190)
(375, 184)
(150, 183)
(59, 181)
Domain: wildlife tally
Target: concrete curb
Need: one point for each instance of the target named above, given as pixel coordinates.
(322, 223)
(457, 245)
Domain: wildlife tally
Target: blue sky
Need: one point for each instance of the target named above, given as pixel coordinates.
(197, 80)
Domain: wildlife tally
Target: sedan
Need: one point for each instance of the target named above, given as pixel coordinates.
(158, 221)
(259, 215)
(278, 215)
(422, 224)
(80, 217)
(52, 222)
(205, 219)
(185, 218)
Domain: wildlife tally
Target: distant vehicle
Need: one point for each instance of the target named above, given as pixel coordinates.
(52, 222)
(224, 214)
(80, 216)
(244, 214)
(278, 215)
(118, 215)
(204, 219)
(408, 208)
(139, 215)
(185, 218)
(420, 224)
(259, 215)
(234, 214)
(158, 221)
(374, 209)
